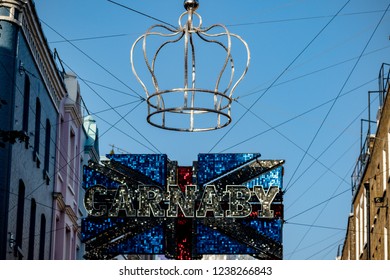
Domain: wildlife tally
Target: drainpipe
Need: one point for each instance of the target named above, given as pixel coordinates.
(367, 188)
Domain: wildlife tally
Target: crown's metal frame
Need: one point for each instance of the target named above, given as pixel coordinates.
(221, 107)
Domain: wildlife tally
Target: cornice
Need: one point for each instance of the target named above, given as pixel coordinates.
(36, 40)
(75, 114)
(72, 215)
(60, 200)
(65, 208)
(14, 3)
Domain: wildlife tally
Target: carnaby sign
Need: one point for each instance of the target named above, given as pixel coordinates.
(150, 201)
(149, 204)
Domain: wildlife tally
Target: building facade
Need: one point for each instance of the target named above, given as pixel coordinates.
(76, 145)
(39, 176)
(90, 140)
(367, 236)
(32, 89)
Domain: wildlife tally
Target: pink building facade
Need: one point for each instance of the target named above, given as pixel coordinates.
(77, 144)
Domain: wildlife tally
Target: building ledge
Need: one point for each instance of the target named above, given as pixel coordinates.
(67, 209)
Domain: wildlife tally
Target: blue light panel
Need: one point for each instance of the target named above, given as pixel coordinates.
(93, 178)
(152, 165)
(93, 227)
(271, 228)
(210, 241)
(210, 166)
(149, 242)
(272, 178)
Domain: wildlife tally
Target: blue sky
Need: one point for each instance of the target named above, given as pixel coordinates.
(306, 88)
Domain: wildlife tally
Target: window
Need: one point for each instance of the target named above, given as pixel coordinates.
(72, 154)
(365, 221)
(20, 215)
(385, 169)
(31, 237)
(42, 238)
(357, 232)
(37, 135)
(385, 243)
(63, 140)
(67, 243)
(388, 158)
(16, 14)
(59, 236)
(47, 152)
(361, 225)
(26, 107)
(5, 11)
(26, 103)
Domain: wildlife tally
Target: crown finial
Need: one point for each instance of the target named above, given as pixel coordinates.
(191, 5)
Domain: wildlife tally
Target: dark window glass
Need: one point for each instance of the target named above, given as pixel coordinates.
(20, 215)
(42, 238)
(37, 134)
(31, 237)
(26, 103)
(47, 146)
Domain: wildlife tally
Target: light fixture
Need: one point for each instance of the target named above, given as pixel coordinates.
(187, 89)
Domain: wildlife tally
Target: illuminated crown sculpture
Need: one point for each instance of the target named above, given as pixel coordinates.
(186, 106)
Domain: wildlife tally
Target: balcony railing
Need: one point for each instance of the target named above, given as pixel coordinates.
(384, 82)
(367, 140)
(361, 163)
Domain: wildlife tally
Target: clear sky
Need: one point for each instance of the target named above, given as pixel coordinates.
(306, 89)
